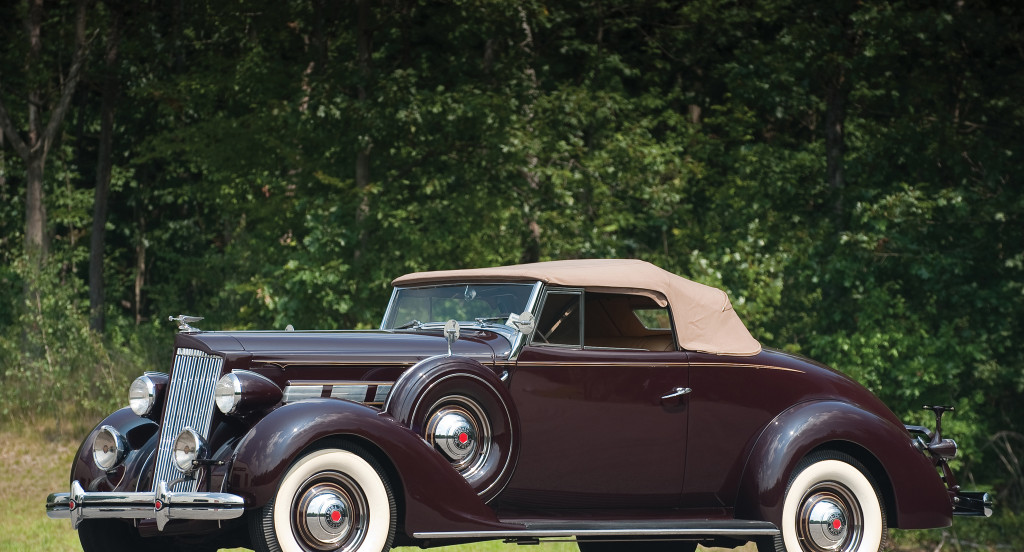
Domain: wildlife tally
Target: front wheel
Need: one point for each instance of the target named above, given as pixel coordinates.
(332, 499)
(831, 505)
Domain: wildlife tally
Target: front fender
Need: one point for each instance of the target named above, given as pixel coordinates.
(435, 496)
(918, 497)
(141, 435)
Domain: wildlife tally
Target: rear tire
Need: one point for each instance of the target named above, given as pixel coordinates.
(832, 504)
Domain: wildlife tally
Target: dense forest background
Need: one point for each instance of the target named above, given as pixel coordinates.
(849, 171)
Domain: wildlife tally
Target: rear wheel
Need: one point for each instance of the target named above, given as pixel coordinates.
(831, 505)
(334, 499)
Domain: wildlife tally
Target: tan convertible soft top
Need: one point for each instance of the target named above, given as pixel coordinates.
(702, 315)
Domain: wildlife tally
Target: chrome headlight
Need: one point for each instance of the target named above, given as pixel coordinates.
(108, 448)
(142, 395)
(189, 447)
(242, 392)
(228, 393)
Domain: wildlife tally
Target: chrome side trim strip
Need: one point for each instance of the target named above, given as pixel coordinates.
(355, 391)
(708, 529)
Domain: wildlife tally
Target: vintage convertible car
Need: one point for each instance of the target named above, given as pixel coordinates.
(606, 401)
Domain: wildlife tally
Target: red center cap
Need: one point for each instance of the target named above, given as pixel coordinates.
(463, 437)
(336, 516)
(72, 505)
(158, 505)
(836, 524)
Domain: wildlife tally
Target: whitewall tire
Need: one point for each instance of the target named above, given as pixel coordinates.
(332, 499)
(832, 505)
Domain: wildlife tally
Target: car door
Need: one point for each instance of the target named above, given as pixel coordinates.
(601, 427)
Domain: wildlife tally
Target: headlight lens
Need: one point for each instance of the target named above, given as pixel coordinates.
(243, 392)
(108, 448)
(142, 395)
(228, 393)
(188, 448)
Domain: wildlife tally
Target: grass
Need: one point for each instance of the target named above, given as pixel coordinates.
(34, 466)
(37, 462)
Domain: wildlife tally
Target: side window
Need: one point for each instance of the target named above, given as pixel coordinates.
(654, 318)
(559, 322)
(619, 321)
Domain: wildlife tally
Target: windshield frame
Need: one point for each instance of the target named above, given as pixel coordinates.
(509, 332)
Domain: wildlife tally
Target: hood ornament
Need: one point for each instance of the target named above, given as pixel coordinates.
(184, 320)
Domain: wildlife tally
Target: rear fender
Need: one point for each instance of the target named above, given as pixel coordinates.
(918, 497)
(435, 496)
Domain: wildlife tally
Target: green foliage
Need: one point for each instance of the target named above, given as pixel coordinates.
(695, 135)
(52, 366)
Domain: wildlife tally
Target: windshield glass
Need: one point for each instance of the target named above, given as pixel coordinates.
(492, 303)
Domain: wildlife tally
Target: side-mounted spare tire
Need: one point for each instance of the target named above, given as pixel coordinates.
(465, 411)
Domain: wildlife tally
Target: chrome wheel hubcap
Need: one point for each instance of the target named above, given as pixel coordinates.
(830, 521)
(459, 429)
(454, 433)
(330, 514)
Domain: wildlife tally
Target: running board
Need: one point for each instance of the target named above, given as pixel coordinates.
(536, 529)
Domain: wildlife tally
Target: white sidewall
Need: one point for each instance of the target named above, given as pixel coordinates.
(852, 479)
(351, 465)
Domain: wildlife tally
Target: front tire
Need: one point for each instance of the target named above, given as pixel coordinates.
(110, 535)
(831, 505)
(332, 499)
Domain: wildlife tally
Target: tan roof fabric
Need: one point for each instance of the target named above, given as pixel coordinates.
(702, 315)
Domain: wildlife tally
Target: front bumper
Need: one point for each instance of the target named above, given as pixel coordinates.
(161, 505)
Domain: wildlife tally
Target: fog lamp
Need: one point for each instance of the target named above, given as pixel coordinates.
(108, 448)
(188, 448)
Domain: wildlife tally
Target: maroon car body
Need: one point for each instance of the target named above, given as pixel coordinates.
(587, 399)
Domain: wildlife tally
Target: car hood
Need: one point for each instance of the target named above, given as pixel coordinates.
(352, 346)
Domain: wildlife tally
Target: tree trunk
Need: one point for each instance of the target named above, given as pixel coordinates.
(34, 148)
(35, 211)
(835, 143)
(532, 242)
(104, 163)
(364, 44)
(140, 266)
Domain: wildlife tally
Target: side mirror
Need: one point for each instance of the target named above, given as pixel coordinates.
(451, 333)
(525, 322)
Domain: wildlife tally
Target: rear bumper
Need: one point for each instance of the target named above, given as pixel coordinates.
(972, 503)
(161, 505)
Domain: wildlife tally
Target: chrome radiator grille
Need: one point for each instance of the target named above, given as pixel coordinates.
(189, 403)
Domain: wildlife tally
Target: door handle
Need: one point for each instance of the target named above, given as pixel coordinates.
(677, 392)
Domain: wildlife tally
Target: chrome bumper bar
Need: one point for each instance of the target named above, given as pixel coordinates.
(161, 505)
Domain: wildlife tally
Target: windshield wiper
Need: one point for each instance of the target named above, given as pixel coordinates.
(485, 319)
(410, 324)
